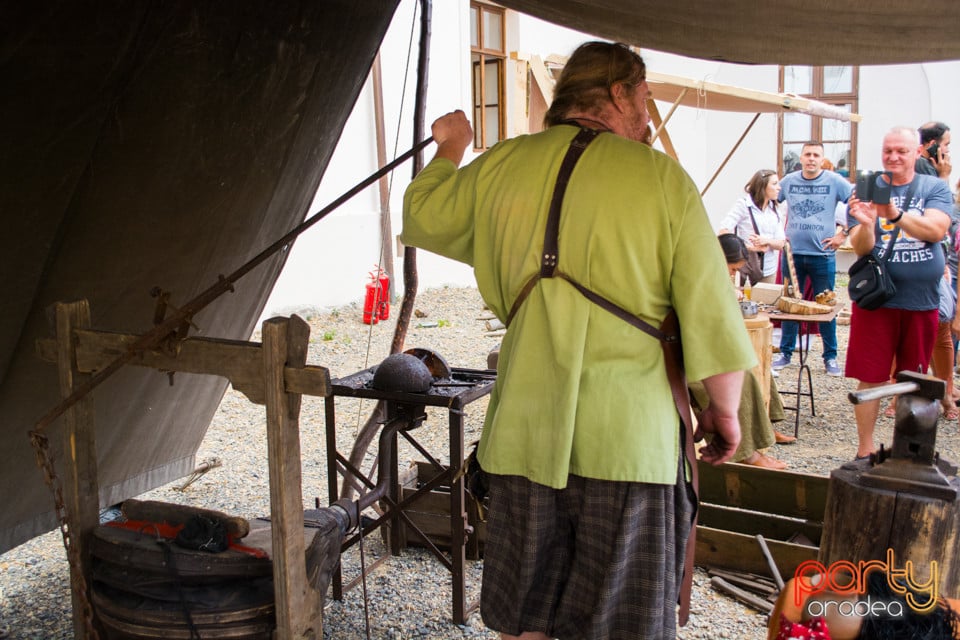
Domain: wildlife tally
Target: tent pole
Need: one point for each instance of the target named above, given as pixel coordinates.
(386, 228)
(724, 163)
(410, 277)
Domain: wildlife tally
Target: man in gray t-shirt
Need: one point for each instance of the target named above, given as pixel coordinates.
(904, 329)
(812, 195)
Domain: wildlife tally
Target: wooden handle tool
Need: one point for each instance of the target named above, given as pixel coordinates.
(793, 289)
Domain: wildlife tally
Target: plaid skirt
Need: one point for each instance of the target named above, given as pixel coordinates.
(596, 560)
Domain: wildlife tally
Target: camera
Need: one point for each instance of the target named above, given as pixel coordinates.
(871, 187)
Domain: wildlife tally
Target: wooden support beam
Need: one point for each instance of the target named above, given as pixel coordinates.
(298, 605)
(238, 361)
(81, 493)
(661, 133)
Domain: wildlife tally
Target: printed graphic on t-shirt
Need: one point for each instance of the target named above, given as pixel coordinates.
(906, 248)
(915, 265)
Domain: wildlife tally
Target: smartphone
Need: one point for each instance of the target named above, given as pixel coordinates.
(932, 150)
(865, 183)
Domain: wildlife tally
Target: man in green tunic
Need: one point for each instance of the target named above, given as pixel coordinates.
(589, 505)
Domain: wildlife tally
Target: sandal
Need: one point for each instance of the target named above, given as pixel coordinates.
(765, 461)
(951, 414)
(891, 410)
(782, 438)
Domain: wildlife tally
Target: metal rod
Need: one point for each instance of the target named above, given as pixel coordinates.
(223, 284)
(771, 563)
(411, 278)
(875, 393)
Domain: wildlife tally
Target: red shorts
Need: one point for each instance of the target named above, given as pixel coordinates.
(878, 337)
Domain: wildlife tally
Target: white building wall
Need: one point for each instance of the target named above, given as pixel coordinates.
(328, 265)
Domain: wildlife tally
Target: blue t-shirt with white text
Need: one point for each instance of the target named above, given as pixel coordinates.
(811, 209)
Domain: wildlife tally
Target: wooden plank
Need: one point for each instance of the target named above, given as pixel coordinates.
(753, 522)
(759, 585)
(785, 493)
(298, 605)
(744, 596)
(740, 552)
(81, 492)
(661, 131)
(431, 512)
(238, 361)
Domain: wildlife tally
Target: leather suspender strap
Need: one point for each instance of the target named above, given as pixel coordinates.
(548, 259)
(668, 334)
(673, 360)
(620, 312)
(552, 232)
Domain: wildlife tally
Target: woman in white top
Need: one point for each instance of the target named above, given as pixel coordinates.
(764, 232)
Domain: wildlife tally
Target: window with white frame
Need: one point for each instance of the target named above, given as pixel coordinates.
(488, 62)
(838, 86)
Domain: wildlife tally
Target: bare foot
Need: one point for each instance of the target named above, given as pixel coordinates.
(758, 459)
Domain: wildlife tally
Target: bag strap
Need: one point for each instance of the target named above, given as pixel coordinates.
(756, 229)
(889, 248)
(668, 334)
(896, 230)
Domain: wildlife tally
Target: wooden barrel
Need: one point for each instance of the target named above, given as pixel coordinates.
(867, 523)
(761, 336)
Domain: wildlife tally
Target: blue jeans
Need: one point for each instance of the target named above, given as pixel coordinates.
(821, 271)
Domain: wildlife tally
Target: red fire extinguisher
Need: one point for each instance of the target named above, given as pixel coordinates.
(376, 305)
(383, 310)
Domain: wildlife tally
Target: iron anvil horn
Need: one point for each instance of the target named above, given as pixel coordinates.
(912, 463)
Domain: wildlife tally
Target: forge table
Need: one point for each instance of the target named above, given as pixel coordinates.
(804, 337)
(455, 393)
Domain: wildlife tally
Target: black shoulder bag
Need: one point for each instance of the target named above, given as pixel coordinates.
(870, 285)
(753, 269)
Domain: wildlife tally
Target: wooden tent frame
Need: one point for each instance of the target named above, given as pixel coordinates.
(699, 94)
(274, 374)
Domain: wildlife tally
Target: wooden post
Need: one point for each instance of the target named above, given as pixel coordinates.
(80, 489)
(864, 523)
(298, 607)
(761, 333)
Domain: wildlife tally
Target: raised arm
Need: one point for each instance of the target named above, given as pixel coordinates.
(452, 133)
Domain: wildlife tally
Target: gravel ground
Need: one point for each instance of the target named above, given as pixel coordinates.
(409, 596)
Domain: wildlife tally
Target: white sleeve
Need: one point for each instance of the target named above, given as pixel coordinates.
(840, 214)
(737, 214)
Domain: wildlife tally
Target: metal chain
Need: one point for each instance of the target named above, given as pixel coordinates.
(41, 446)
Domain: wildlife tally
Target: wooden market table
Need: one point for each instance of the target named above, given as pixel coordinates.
(804, 337)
